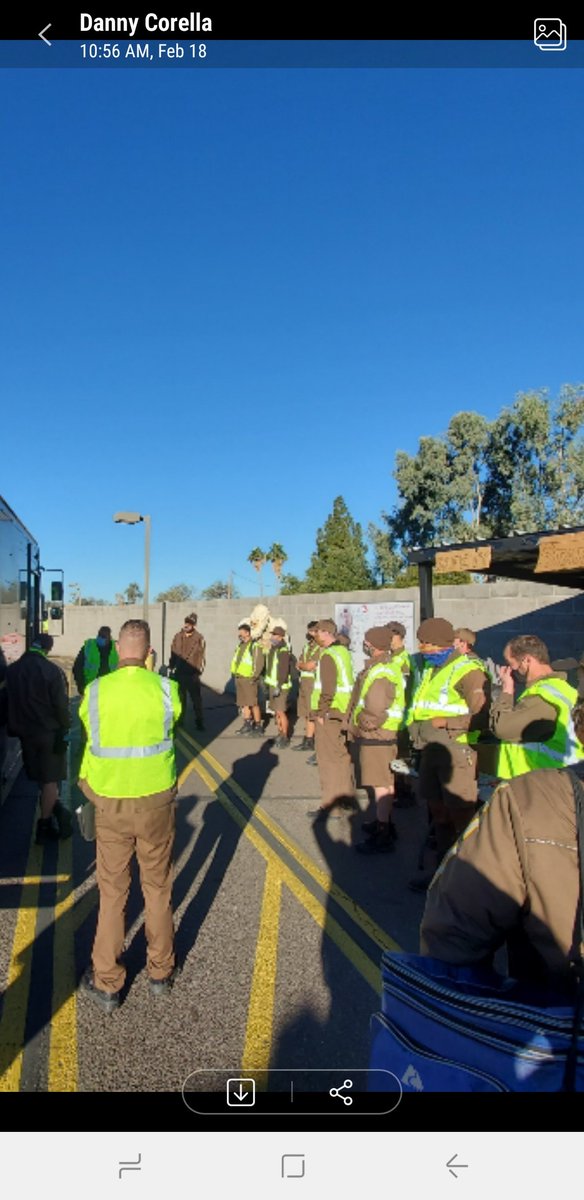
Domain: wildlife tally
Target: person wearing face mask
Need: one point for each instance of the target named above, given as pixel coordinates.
(97, 656)
(537, 730)
(331, 694)
(449, 708)
(278, 681)
(374, 716)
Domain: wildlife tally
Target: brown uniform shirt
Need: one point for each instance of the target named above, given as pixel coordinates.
(377, 701)
(513, 877)
(529, 720)
(190, 648)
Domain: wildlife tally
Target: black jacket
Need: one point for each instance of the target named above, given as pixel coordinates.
(37, 696)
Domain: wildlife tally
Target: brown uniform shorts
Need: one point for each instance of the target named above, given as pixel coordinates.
(41, 763)
(246, 692)
(278, 703)
(374, 760)
(448, 775)
(304, 693)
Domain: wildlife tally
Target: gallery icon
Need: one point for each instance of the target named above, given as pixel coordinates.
(549, 33)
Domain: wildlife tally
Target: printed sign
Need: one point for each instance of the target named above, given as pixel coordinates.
(354, 619)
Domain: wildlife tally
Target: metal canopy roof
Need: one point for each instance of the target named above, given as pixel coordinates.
(547, 556)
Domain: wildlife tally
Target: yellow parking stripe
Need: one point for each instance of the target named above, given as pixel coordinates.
(354, 910)
(63, 1065)
(13, 1022)
(361, 961)
(258, 1034)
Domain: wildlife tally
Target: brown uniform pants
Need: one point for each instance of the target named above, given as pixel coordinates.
(124, 828)
(335, 768)
(448, 782)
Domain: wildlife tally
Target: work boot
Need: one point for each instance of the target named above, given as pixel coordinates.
(310, 743)
(303, 745)
(245, 729)
(281, 742)
(63, 819)
(379, 842)
(257, 730)
(46, 831)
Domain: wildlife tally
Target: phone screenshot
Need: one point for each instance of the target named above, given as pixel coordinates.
(291, 614)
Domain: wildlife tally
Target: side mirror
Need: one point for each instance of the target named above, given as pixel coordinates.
(55, 613)
(56, 592)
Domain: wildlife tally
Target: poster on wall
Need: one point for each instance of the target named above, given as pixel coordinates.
(354, 619)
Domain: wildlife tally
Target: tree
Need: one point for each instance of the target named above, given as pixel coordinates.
(177, 593)
(535, 463)
(133, 593)
(75, 593)
(257, 559)
(291, 585)
(92, 600)
(220, 591)
(277, 556)
(339, 563)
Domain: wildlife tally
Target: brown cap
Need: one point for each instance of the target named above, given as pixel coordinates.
(278, 631)
(436, 631)
(397, 627)
(466, 635)
(327, 626)
(191, 619)
(379, 636)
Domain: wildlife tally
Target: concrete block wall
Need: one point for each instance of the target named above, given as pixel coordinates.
(498, 611)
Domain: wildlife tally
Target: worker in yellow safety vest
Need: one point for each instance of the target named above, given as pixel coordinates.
(97, 656)
(449, 706)
(247, 665)
(537, 730)
(331, 693)
(128, 773)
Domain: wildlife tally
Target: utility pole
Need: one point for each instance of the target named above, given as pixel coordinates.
(230, 585)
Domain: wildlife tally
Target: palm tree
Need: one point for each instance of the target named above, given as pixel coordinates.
(277, 556)
(257, 559)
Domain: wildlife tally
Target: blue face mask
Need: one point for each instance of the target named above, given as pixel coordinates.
(438, 657)
(100, 641)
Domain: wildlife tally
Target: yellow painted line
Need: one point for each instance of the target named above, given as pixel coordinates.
(21, 880)
(354, 910)
(362, 963)
(63, 1064)
(13, 1022)
(260, 1014)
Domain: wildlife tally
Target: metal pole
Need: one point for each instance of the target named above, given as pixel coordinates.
(146, 564)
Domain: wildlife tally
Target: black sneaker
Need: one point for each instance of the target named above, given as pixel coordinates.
(245, 729)
(257, 731)
(46, 831)
(312, 761)
(161, 988)
(281, 742)
(107, 1001)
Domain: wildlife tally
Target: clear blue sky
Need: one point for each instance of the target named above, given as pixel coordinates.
(229, 297)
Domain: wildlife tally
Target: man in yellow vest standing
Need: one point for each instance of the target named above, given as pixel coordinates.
(129, 773)
(279, 683)
(97, 656)
(331, 693)
(306, 668)
(247, 665)
(449, 708)
(538, 730)
(375, 714)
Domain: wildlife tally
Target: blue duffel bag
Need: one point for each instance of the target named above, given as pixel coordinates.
(444, 1028)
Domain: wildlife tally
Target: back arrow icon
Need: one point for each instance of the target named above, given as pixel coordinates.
(43, 31)
(453, 1166)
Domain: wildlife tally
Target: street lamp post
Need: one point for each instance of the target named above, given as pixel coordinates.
(133, 518)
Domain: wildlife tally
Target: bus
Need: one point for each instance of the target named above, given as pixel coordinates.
(22, 615)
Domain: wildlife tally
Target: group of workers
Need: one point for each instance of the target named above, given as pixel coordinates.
(437, 705)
